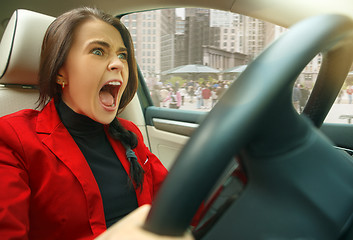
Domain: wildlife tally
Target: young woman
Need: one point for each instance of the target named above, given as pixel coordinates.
(73, 168)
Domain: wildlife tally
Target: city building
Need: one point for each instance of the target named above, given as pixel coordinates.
(145, 30)
(168, 32)
(164, 40)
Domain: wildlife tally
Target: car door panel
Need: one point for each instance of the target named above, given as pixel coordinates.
(168, 131)
(165, 145)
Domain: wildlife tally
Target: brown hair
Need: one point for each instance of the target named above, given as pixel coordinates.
(57, 44)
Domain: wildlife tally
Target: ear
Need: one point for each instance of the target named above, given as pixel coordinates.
(62, 72)
(60, 78)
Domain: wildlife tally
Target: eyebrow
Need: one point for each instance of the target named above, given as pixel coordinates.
(106, 45)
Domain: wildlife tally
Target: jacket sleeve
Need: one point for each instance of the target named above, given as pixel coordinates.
(14, 186)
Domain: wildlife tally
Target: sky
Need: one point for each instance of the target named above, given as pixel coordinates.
(180, 12)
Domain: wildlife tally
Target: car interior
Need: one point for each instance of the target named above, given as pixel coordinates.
(298, 170)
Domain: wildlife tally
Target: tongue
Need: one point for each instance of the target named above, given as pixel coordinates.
(106, 98)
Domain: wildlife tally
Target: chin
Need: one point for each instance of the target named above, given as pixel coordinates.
(102, 116)
(105, 118)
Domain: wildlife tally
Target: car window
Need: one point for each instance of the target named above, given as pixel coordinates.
(342, 109)
(190, 56)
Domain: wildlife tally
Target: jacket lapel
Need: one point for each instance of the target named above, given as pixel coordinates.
(63, 146)
(60, 142)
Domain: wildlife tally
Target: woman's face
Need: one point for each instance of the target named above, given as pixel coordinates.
(95, 72)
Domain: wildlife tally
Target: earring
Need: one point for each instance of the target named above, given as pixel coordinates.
(61, 82)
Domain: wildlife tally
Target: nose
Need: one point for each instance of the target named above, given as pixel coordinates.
(116, 64)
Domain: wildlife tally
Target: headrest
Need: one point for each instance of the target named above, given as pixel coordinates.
(20, 47)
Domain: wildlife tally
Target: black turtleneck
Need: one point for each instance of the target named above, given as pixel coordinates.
(119, 197)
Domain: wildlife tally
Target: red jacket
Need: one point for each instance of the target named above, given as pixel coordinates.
(47, 189)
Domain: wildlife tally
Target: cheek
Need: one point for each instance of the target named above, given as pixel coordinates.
(126, 79)
(122, 92)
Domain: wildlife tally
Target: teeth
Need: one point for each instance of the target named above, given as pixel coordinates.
(114, 83)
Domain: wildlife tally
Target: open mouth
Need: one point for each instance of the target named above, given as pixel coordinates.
(108, 93)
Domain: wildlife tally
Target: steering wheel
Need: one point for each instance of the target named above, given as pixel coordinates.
(298, 184)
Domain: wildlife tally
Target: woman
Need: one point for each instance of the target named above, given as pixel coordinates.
(73, 168)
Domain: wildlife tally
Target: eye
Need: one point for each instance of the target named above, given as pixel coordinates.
(122, 56)
(97, 51)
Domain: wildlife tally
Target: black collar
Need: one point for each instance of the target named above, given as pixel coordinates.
(77, 124)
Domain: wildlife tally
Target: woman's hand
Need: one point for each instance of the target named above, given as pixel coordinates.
(130, 228)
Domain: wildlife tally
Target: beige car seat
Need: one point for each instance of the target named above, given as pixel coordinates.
(19, 60)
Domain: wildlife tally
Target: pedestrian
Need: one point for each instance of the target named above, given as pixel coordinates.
(183, 93)
(191, 93)
(199, 102)
(220, 90)
(206, 97)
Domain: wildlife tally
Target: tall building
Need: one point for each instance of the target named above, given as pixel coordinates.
(145, 30)
(168, 29)
(153, 34)
(202, 36)
(180, 56)
(238, 38)
(179, 25)
(239, 33)
(197, 30)
(220, 18)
